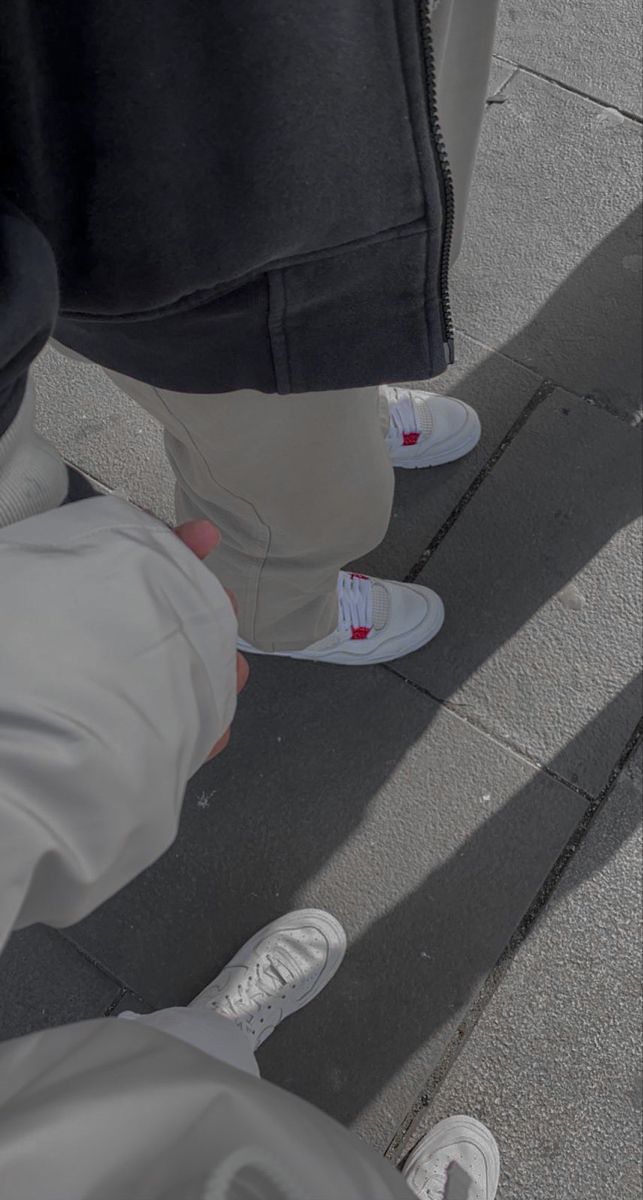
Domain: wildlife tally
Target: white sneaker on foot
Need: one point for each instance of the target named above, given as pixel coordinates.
(427, 430)
(457, 1159)
(378, 621)
(280, 970)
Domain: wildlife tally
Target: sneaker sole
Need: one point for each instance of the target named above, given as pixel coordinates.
(468, 439)
(395, 647)
(456, 1129)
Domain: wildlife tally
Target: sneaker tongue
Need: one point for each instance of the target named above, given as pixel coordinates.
(381, 607)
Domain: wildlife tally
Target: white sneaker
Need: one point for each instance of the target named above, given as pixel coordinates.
(458, 1160)
(378, 621)
(427, 430)
(280, 970)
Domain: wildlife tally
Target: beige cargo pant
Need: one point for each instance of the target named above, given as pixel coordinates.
(298, 486)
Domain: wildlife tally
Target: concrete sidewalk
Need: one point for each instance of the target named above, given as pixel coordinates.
(434, 805)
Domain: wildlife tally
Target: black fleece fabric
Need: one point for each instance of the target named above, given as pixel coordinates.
(219, 194)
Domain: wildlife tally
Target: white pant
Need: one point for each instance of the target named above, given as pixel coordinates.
(209, 1032)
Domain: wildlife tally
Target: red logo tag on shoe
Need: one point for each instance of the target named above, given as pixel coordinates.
(360, 633)
(411, 439)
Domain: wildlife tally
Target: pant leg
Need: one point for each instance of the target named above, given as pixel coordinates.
(298, 486)
(464, 32)
(207, 1031)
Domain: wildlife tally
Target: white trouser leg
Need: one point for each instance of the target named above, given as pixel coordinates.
(207, 1031)
(297, 485)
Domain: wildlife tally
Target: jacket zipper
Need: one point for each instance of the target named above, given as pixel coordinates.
(444, 173)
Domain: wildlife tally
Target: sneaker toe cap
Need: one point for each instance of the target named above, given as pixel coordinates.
(451, 420)
(415, 608)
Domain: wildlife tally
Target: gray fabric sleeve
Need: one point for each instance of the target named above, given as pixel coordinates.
(117, 676)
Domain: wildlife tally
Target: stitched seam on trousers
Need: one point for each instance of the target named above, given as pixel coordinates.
(277, 330)
(228, 492)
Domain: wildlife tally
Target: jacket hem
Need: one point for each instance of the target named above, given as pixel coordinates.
(357, 319)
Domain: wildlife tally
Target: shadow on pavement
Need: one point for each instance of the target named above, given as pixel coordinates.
(458, 918)
(369, 1028)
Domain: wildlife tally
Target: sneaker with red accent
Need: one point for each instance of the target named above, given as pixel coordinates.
(426, 430)
(378, 621)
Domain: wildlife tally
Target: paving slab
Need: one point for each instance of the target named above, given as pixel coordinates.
(554, 1064)
(347, 790)
(499, 390)
(542, 581)
(99, 429)
(499, 76)
(585, 44)
(550, 271)
(44, 982)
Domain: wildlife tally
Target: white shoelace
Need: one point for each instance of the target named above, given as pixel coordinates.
(410, 417)
(248, 995)
(355, 594)
(403, 415)
(434, 1185)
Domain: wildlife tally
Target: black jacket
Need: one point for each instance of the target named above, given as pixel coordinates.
(220, 194)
